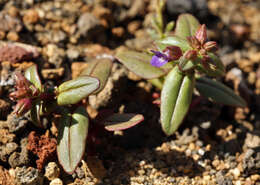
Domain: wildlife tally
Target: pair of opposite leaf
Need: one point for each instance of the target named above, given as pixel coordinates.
(172, 69)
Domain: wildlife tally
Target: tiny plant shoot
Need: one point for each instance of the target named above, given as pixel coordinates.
(181, 62)
(65, 101)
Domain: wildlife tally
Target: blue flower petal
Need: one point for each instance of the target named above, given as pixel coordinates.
(158, 61)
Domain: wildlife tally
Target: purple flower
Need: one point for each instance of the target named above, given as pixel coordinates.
(169, 53)
(159, 59)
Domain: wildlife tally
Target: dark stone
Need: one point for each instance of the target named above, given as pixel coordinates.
(198, 8)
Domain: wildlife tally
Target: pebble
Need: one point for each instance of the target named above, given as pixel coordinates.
(28, 176)
(30, 17)
(14, 53)
(13, 36)
(201, 152)
(52, 171)
(86, 23)
(198, 7)
(55, 54)
(52, 73)
(235, 172)
(255, 177)
(56, 181)
(118, 31)
(9, 23)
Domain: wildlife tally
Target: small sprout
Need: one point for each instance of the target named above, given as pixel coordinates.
(191, 53)
(65, 101)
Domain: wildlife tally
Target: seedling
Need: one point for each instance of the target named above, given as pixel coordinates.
(181, 62)
(66, 101)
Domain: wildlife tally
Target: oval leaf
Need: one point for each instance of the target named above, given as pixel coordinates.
(122, 121)
(186, 26)
(32, 75)
(175, 99)
(139, 63)
(173, 41)
(73, 91)
(218, 92)
(73, 130)
(100, 69)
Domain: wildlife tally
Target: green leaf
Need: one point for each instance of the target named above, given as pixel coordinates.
(32, 75)
(169, 27)
(100, 69)
(218, 92)
(73, 131)
(122, 121)
(173, 41)
(175, 99)
(157, 82)
(139, 63)
(73, 91)
(186, 64)
(186, 26)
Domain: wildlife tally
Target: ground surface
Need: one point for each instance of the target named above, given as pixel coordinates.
(215, 145)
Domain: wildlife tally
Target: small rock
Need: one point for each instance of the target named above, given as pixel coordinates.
(31, 16)
(6, 150)
(222, 180)
(77, 68)
(13, 36)
(28, 176)
(8, 23)
(197, 7)
(55, 54)
(20, 158)
(118, 31)
(5, 177)
(73, 53)
(52, 171)
(6, 136)
(251, 141)
(56, 181)
(133, 26)
(52, 73)
(88, 23)
(14, 124)
(14, 53)
(235, 172)
(255, 177)
(13, 11)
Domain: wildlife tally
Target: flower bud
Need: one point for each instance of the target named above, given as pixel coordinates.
(190, 54)
(194, 42)
(23, 106)
(173, 52)
(210, 46)
(201, 34)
